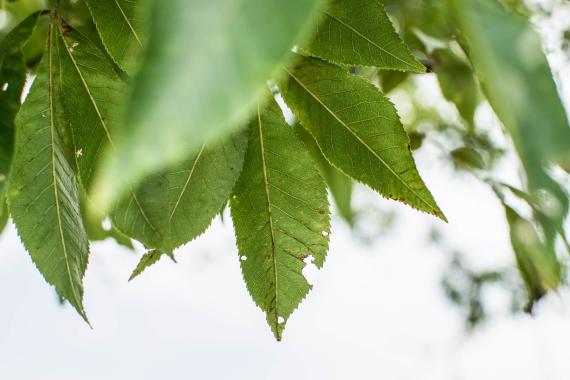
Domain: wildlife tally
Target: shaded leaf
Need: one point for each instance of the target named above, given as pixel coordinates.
(42, 193)
(121, 28)
(358, 131)
(180, 203)
(359, 32)
(281, 217)
(468, 158)
(210, 58)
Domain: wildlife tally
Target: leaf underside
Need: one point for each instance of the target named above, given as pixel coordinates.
(358, 131)
(281, 217)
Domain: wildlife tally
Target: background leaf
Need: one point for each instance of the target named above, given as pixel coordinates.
(281, 217)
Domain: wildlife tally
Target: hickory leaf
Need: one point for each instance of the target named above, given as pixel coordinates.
(121, 29)
(42, 193)
(358, 131)
(281, 217)
(177, 205)
(211, 59)
(12, 80)
(359, 32)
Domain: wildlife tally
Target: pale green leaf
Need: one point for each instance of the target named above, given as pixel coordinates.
(120, 24)
(360, 33)
(206, 67)
(173, 207)
(510, 63)
(358, 131)
(281, 217)
(42, 193)
(537, 263)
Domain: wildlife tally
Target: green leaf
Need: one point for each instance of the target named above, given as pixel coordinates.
(468, 158)
(121, 29)
(206, 67)
(174, 207)
(457, 83)
(281, 217)
(42, 193)
(4, 216)
(516, 78)
(93, 101)
(359, 32)
(12, 80)
(538, 265)
(358, 131)
(150, 258)
(339, 184)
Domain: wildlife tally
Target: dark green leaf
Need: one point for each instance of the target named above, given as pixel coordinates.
(358, 131)
(359, 32)
(281, 217)
(42, 193)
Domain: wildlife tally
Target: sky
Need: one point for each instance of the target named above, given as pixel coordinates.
(377, 309)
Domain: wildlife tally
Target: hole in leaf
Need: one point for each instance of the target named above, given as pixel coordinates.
(280, 320)
(325, 233)
(243, 258)
(310, 270)
(5, 86)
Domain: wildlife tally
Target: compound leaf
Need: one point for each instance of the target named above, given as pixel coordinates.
(359, 32)
(121, 29)
(281, 217)
(210, 58)
(42, 194)
(358, 131)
